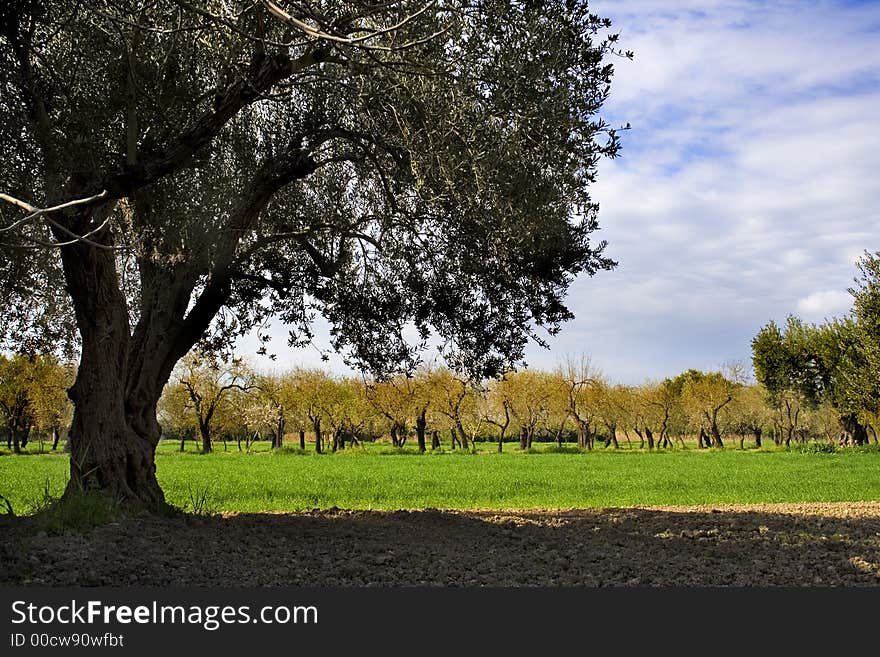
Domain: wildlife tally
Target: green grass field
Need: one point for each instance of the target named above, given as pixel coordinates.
(382, 478)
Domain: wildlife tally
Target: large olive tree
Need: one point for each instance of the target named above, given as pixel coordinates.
(178, 171)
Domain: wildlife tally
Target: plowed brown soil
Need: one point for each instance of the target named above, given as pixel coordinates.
(756, 545)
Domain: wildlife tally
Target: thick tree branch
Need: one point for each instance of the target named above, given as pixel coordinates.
(292, 165)
(233, 99)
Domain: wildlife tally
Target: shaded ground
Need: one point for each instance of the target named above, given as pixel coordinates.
(760, 545)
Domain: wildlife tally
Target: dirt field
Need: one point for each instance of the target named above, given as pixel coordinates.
(763, 545)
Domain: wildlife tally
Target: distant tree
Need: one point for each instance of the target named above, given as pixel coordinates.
(496, 404)
(530, 393)
(176, 415)
(32, 397)
(348, 412)
(395, 400)
(580, 377)
(556, 416)
(628, 409)
(311, 388)
(749, 412)
(609, 410)
(805, 365)
(644, 414)
(668, 402)
(457, 400)
(268, 389)
(707, 396)
(421, 401)
(207, 383)
(284, 390)
(864, 384)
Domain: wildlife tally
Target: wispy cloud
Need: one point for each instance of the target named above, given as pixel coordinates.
(747, 185)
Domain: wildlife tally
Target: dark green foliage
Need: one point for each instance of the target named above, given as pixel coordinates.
(866, 313)
(816, 362)
(835, 362)
(444, 185)
(787, 360)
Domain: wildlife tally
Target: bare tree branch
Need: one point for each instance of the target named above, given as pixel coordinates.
(360, 41)
(36, 212)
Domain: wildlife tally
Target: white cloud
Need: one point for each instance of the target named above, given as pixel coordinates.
(823, 305)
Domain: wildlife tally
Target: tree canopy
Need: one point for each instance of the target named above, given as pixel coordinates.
(350, 161)
(178, 172)
(833, 363)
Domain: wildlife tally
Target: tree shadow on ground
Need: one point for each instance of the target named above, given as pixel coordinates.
(611, 547)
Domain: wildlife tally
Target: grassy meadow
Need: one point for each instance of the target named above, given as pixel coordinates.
(380, 477)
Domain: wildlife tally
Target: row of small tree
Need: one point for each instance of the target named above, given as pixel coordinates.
(212, 401)
(33, 399)
(208, 401)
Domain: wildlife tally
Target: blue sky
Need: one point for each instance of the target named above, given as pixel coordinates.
(746, 189)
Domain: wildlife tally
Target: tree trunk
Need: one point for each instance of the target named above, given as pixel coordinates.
(109, 449)
(435, 440)
(302, 439)
(757, 433)
(114, 433)
(650, 437)
(641, 438)
(614, 437)
(56, 436)
(421, 427)
(855, 431)
(582, 433)
(716, 436)
(205, 432)
(318, 439)
(278, 441)
(462, 436)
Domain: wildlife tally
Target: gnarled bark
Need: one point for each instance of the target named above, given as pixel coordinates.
(114, 432)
